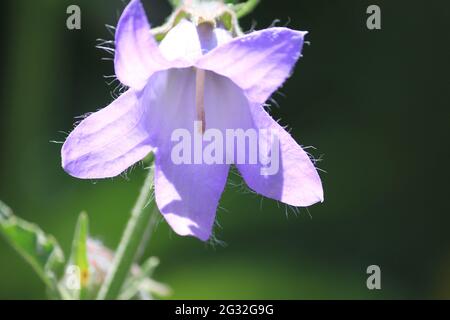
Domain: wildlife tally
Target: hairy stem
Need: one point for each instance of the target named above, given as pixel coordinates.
(131, 240)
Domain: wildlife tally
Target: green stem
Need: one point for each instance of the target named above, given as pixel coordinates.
(130, 242)
(245, 8)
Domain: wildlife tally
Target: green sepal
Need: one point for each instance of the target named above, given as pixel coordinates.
(79, 257)
(244, 8)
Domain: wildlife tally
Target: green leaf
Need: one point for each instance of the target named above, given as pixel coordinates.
(40, 250)
(79, 255)
(175, 3)
(245, 8)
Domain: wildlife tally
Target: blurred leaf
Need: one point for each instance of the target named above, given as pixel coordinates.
(40, 250)
(175, 3)
(79, 255)
(245, 8)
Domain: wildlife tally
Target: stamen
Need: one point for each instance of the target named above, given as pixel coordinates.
(200, 98)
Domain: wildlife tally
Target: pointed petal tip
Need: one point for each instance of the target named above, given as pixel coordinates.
(305, 201)
(282, 31)
(187, 228)
(317, 188)
(316, 194)
(320, 198)
(134, 5)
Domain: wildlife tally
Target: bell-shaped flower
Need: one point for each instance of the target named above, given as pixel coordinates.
(196, 74)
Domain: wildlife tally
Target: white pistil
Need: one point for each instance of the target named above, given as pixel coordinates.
(200, 98)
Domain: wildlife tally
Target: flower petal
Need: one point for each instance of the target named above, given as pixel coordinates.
(137, 55)
(186, 43)
(186, 194)
(294, 179)
(181, 43)
(109, 141)
(259, 62)
(226, 108)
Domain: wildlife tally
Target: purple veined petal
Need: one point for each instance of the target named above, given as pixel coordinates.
(226, 107)
(137, 55)
(186, 194)
(296, 181)
(109, 141)
(170, 97)
(259, 62)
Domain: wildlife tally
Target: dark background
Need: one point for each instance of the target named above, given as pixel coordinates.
(373, 103)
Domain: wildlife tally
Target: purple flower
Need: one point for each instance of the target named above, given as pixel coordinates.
(197, 73)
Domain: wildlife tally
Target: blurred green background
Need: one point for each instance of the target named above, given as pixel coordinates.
(373, 103)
